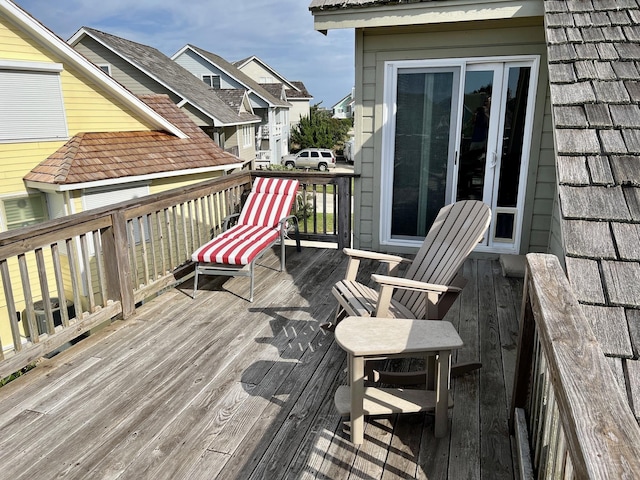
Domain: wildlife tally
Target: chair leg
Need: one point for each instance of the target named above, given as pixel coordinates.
(282, 249)
(195, 283)
(251, 282)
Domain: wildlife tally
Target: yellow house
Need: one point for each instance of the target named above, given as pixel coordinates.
(72, 138)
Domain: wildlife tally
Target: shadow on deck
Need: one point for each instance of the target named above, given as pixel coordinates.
(217, 387)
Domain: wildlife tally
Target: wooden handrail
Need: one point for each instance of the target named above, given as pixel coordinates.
(597, 435)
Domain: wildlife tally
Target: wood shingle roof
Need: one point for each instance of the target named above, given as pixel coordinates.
(97, 156)
(593, 53)
(173, 76)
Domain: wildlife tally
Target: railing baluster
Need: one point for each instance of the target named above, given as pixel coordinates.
(76, 287)
(44, 290)
(88, 272)
(28, 298)
(97, 247)
(61, 294)
(152, 245)
(185, 239)
(11, 306)
(143, 245)
(163, 255)
(169, 231)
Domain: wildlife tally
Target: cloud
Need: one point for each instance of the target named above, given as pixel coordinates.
(280, 32)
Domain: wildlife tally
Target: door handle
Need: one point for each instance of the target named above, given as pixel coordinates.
(494, 159)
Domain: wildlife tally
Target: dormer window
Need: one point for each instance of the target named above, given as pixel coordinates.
(106, 68)
(212, 80)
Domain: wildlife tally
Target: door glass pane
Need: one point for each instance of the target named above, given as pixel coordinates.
(475, 130)
(513, 135)
(422, 136)
(515, 109)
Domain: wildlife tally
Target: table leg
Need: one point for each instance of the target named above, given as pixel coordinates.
(443, 365)
(356, 373)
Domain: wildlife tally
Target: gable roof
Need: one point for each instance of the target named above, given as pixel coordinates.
(593, 54)
(234, 97)
(168, 73)
(299, 93)
(235, 73)
(51, 41)
(275, 89)
(263, 64)
(97, 158)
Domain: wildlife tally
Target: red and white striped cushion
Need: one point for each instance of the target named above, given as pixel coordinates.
(237, 246)
(270, 200)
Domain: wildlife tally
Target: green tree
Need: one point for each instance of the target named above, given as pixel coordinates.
(320, 130)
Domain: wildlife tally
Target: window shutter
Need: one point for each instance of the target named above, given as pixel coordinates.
(32, 106)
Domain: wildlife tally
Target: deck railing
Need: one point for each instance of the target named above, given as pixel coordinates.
(63, 277)
(570, 417)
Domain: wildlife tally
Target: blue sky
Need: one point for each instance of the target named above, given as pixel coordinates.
(280, 32)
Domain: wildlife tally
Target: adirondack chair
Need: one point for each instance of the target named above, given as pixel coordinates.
(263, 221)
(432, 281)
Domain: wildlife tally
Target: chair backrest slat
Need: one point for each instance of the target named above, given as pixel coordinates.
(454, 234)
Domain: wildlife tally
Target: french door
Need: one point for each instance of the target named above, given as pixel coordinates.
(456, 130)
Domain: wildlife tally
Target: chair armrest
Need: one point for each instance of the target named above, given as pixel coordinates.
(227, 220)
(296, 229)
(407, 284)
(355, 256)
(432, 291)
(382, 257)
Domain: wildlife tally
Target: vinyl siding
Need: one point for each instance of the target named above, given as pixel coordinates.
(477, 39)
(254, 70)
(198, 67)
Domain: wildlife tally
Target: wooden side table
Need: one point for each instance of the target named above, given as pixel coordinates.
(372, 337)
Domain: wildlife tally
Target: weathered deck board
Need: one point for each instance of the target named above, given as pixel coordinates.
(217, 387)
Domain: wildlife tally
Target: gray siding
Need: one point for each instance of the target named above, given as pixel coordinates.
(132, 78)
(198, 66)
(375, 46)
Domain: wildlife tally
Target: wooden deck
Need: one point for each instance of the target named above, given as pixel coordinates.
(217, 387)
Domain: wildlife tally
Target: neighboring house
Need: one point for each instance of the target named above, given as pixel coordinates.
(272, 134)
(531, 107)
(295, 91)
(145, 70)
(72, 138)
(344, 107)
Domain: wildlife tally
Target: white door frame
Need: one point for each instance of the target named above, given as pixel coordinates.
(391, 69)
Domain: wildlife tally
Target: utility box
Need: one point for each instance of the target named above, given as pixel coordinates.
(41, 317)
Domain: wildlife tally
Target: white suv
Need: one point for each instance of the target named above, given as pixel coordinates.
(320, 158)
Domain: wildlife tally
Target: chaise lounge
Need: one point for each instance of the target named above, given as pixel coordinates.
(264, 219)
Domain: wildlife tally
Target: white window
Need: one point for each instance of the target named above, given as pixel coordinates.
(106, 68)
(23, 210)
(104, 196)
(212, 80)
(247, 135)
(32, 103)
